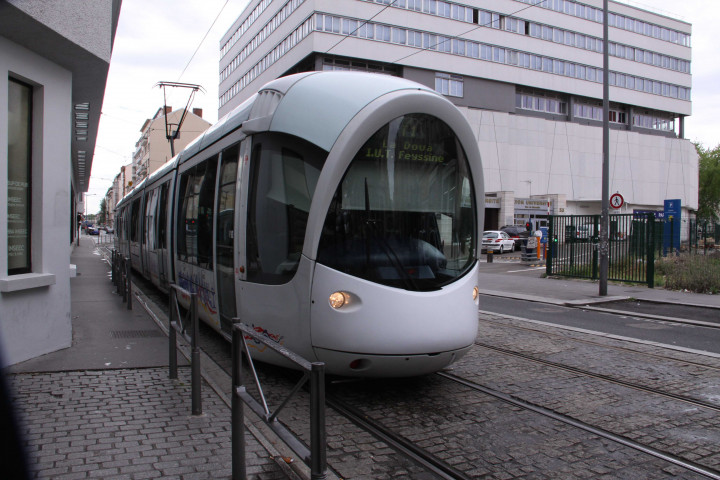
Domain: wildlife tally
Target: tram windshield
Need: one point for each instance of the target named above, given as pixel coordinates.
(404, 213)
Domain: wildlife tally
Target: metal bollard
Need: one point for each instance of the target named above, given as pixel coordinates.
(128, 276)
(123, 272)
(238, 410)
(489, 256)
(195, 356)
(172, 335)
(118, 273)
(318, 435)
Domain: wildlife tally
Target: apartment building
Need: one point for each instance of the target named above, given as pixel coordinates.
(152, 149)
(528, 75)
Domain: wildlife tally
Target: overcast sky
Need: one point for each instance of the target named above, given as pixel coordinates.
(156, 41)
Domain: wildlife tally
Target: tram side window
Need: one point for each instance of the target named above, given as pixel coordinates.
(284, 174)
(135, 221)
(226, 206)
(162, 217)
(195, 222)
(150, 205)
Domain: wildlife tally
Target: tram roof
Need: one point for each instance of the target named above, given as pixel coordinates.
(315, 106)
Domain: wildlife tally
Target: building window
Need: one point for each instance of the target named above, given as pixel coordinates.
(617, 116)
(19, 177)
(653, 121)
(540, 102)
(451, 85)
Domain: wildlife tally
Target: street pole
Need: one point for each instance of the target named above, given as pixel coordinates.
(604, 217)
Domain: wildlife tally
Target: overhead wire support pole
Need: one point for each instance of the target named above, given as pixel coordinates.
(171, 134)
(605, 207)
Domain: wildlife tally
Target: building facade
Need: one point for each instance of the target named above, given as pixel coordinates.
(54, 60)
(152, 149)
(528, 78)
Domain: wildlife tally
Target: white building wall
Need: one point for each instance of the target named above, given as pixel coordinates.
(35, 308)
(535, 156)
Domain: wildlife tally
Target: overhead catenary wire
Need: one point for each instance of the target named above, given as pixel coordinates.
(365, 22)
(432, 47)
(203, 39)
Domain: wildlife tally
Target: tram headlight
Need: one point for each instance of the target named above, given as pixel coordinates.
(476, 294)
(338, 299)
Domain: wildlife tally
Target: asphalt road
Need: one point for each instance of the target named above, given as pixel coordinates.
(623, 324)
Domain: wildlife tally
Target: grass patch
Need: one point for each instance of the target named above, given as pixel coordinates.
(695, 273)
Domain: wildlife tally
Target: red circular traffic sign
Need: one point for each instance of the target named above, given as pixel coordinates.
(616, 200)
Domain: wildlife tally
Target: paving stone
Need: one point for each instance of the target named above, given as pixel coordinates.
(145, 432)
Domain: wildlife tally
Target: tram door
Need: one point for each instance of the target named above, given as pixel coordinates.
(274, 289)
(225, 231)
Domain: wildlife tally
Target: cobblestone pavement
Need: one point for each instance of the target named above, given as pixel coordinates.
(668, 424)
(486, 438)
(127, 424)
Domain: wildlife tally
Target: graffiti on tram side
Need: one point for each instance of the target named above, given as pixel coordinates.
(194, 281)
(261, 347)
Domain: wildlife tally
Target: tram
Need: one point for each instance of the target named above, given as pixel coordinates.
(334, 212)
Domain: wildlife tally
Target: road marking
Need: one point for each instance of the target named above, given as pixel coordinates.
(526, 270)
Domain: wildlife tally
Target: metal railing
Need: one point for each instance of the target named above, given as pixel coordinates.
(121, 274)
(183, 325)
(316, 456)
(104, 238)
(633, 243)
(703, 236)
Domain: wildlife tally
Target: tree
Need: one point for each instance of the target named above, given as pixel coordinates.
(102, 215)
(709, 183)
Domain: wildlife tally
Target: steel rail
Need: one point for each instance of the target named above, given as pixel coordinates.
(601, 376)
(590, 342)
(406, 447)
(670, 458)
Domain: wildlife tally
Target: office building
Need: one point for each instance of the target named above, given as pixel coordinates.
(528, 77)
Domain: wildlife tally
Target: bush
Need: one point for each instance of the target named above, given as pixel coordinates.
(695, 273)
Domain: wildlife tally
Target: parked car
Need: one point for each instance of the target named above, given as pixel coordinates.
(93, 230)
(497, 240)
(518, 233)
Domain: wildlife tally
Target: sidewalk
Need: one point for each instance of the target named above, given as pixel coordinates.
(575, 291)
(105, 407)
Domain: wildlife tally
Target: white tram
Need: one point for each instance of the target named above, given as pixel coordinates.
(335, 212)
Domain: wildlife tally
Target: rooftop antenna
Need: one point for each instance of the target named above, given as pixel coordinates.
(171, 134)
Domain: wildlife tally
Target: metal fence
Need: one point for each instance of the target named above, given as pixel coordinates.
(633, 242)
(703, 236)
(315, 457)
(188, 328)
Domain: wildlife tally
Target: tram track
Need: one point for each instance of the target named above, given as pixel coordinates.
(606, 378)
(594, 343)
(411, 450)
(668, 457)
